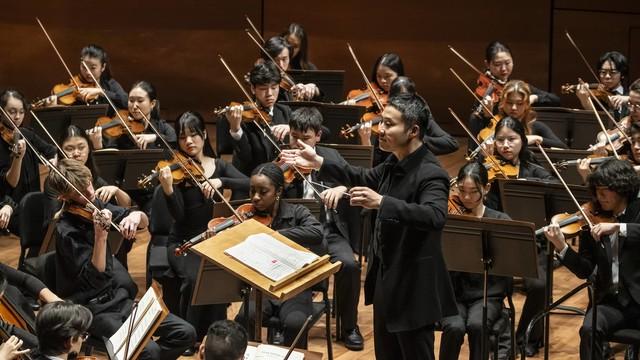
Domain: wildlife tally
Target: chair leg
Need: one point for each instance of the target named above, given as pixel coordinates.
(328, 330)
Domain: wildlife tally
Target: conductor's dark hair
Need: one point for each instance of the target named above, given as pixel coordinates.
(402, 85)
(390, 60)
(476, 172)
(413, 111)
(265, 73)
(12, 93)
(58, 323)
(619, 60)
(193, 122)
(273, 172)
(300, 61)
(525, 155)
(275, 46)
(618, 176)
(153, 95)
(305, 118)
(494, 48)
(226, 340)
(96, 51)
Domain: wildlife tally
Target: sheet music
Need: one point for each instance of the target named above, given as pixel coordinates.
(148, 311)
(270, 352)
(269, 256)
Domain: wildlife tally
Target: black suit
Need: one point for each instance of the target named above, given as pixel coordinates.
(338, 229)
(407, 279)
(618, 304)
(253, 149)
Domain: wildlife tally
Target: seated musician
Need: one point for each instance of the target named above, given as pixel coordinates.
(510, 148)
(297, 224)
(142, 98)
(472, 185)
(250, 147)
(611, 248)
(612, 69)
(98, 63)
(191, 208)
(62, 327)
(19, 165)
(225, 340)
(13, 283)
(514, 103)
(86, 271)
(280, 50)
(306, 126)
(296, 36)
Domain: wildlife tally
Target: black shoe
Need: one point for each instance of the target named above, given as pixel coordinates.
(532, 349)
(353, 339)
(190, 351)
(278, 338)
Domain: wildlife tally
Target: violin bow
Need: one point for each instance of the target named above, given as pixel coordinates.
(566, 187)
(604, 129)
(58, 53)
(48, 134)
(584, 59)
(366, 80)
(264, 120)
(470, 91)
(264, 51)
(124, 123)
(488, 156)
(50, 165)
(255, 29)
(184, 167)
(465, 60)
(611, 118)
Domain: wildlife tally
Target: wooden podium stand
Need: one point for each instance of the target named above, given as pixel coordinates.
(213, 250)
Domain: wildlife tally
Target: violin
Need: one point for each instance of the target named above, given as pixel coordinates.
(365, 98)
(11, 137)
(572, 224)
(10, 315)
(67, 94)
(488, 86)
(455, 206)
(500, 169)
(618, 139)
(216, 225)
(290, 173)
(249, 113)
(113, 126)
(86, 214)
(595, 160)
(598, 90)
(177, 165)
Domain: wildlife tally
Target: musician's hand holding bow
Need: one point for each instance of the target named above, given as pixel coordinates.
(305, 156)
(553, 233)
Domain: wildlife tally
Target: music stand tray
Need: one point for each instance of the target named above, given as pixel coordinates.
(58, 118)
(124, 167)
(330, 82)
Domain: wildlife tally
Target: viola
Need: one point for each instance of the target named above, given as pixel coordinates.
(113, 127)
(249, 113)
(572, 224)
(177, 165)
(67, 94)
(216, 225)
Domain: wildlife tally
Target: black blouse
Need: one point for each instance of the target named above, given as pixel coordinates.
(124, 142)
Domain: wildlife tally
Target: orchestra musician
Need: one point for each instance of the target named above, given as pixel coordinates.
(100, 282)
(62, 327)
(297, 38)
(613, 69)
(407, 280)
(225, 340)
(609, 247)
(98, 63)
(296, 223)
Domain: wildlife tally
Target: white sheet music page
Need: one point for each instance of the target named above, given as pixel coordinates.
(269, 256)
(270, 352)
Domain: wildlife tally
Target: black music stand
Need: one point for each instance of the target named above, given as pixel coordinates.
(543, 199)
(356, 155)
(570, 172)
(575, 127)
(125, 167)
(58, 118)
(491, 246)
(330, 82)
(334, 117)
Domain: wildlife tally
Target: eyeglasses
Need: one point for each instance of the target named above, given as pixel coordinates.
(610, 72)
(633, 107)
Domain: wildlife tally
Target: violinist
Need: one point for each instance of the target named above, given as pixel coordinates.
(89, 275)
(97, 61)
(510, 148)
(386, 69)
(191, 209)
(612, 249)
(472, 185)
(62, 328)
(250, 147)
(19, 166)
(306, 126)
(514, 103)
(612, 70)
(298, 224)
(280, 50)
(297, 38)
(142, 98)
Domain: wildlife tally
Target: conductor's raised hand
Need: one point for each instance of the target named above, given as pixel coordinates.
(365, 197)
(303, 156)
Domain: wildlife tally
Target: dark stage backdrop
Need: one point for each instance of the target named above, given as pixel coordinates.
(175, 44)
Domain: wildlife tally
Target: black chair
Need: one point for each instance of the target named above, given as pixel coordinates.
(33, 213)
